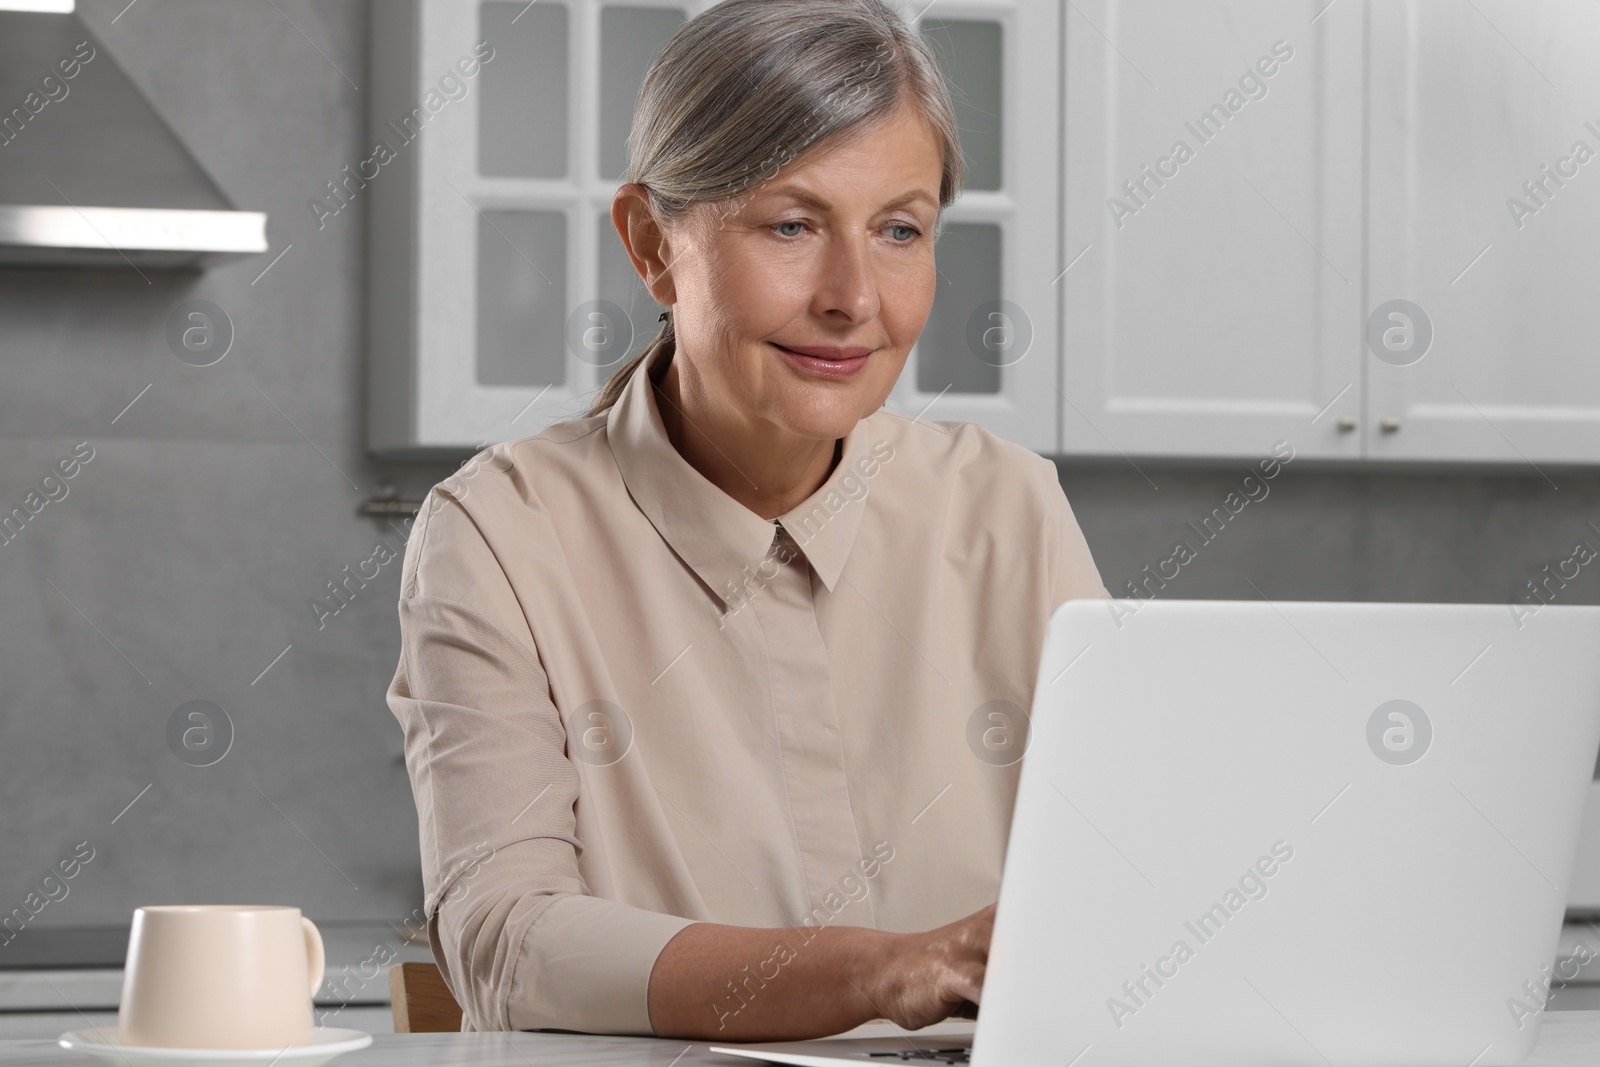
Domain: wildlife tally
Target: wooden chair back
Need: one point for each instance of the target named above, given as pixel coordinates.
(422, 1003)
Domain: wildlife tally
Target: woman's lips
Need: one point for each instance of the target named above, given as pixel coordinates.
(827, 362)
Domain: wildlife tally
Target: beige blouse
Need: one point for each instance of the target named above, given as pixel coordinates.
(630, 703)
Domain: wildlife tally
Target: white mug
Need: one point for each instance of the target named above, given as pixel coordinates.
(224, 976)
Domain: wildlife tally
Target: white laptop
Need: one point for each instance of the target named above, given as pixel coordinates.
(1253, 834)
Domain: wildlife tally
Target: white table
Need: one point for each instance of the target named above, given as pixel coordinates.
(1566, 1039)
(500, 1049)
(457, 1050)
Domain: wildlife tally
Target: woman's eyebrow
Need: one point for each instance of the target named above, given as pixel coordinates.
(811, 199)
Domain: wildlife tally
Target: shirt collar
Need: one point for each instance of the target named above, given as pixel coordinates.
(712, 532)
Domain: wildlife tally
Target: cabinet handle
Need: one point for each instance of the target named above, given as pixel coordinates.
(1347, 423)
(1390, 424)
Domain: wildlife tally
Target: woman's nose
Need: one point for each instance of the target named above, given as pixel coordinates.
(849, 283)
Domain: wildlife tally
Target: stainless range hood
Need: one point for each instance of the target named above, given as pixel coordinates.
(90, 174)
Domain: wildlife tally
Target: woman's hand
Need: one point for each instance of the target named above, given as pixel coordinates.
(917, 979)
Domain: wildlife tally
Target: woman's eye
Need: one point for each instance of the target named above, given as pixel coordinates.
(901, 233)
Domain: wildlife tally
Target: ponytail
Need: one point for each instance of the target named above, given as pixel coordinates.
(619, 379)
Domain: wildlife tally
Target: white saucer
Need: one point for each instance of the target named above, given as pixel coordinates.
(101, 1042)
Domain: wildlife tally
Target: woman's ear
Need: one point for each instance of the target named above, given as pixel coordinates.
(648, 244)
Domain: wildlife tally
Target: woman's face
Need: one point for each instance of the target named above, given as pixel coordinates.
(834, 251)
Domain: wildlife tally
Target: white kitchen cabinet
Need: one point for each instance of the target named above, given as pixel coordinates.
(1484, 213)
(1232, 305)
(495, 268)
(1213, 217)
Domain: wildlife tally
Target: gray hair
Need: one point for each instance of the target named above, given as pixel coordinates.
(748, 86)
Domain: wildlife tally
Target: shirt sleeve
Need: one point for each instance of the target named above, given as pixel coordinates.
(521, 942)
(1073, 574)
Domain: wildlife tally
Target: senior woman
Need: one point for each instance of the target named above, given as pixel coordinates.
(705, 693)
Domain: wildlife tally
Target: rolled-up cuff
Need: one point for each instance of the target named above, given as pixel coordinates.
(585, 965)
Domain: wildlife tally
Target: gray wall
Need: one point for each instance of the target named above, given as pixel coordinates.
(184, 557)
(1333, 533)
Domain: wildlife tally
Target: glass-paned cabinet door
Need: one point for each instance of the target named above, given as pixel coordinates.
(524, 107)
(521, 298)
(990, 352)
(501, 297)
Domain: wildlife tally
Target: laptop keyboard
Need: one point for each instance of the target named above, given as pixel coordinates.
(954, 1054)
